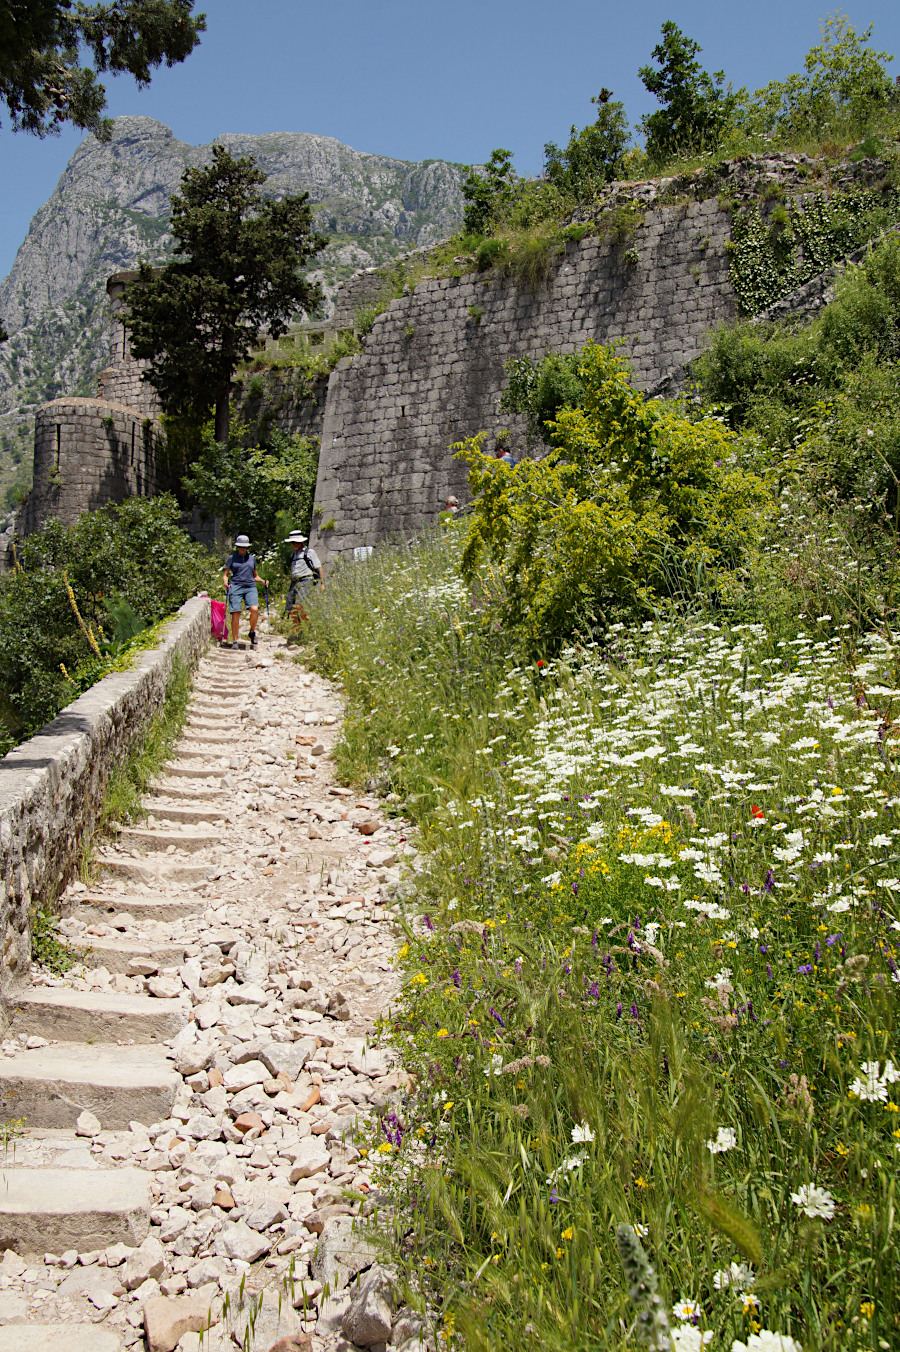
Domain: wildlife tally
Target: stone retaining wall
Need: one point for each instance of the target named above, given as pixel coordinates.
(52, 787)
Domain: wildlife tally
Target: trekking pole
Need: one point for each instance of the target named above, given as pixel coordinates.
(266, 585)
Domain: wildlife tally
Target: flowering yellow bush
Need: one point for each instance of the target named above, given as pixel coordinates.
(633, 502)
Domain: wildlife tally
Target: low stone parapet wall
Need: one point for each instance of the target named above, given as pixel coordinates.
(52, 787)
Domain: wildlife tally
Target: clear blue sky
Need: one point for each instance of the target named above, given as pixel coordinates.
(424, 80)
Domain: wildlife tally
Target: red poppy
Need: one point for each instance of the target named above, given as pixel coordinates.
(541, 662)
(758, 812)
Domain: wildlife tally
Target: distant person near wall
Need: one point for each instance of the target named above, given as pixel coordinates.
(451, 507)
(239, 580)
(306, 572)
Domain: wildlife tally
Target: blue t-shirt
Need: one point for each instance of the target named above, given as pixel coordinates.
(242, 567)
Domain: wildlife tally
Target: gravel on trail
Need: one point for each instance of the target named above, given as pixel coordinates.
(256, 898)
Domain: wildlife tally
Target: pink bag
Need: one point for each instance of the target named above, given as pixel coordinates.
(217, 619)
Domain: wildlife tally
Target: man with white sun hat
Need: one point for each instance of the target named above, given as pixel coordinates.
(240, 579)
(306, 568)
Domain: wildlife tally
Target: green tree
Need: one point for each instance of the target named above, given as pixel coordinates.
(844, 88)
(130, 561)
(696, 108)
(486, 195)
(44, 42)
(236, 270)
(248, 489)
(594, 155)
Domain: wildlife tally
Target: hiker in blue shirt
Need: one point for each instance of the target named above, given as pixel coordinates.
(240, 579)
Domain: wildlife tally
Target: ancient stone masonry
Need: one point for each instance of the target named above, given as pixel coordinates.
(52, 787)
(90, 452)
(433, 366)
(199, 1087)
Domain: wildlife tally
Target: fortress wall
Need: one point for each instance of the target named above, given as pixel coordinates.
(433, 366)
(287, 405)
(88, 452)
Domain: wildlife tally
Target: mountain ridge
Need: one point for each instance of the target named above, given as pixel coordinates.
(110, 208)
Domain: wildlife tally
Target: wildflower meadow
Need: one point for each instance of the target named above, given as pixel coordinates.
(652, 966)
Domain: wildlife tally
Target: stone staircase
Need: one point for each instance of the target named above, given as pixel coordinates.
(88, 1062)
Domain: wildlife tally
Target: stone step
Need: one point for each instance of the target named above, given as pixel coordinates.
(178, 770)
(181, 784)
(59, 1338)
(150, 873)
(150, 907)
(51, 1086)
(52, 1210)
(200, 740)
(74, 1016)
(117, 954)
(155, 840)
(181, 813)
(185, 752)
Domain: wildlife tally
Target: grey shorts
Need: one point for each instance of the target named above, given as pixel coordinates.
(242, 591)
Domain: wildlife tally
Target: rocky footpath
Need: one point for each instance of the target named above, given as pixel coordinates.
(198, 1091)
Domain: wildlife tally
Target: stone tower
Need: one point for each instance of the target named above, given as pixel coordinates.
(89, 452)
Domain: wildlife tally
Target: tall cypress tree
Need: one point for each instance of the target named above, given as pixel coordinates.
(236, 270)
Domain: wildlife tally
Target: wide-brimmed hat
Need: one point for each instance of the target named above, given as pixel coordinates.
(296, 537)
(242, 542)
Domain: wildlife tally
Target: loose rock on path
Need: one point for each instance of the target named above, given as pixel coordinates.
(194, 1087)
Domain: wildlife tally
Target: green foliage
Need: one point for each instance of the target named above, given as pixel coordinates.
(538, 390)
(594, 155)
(843, 91)
(46, 948)
(529, 256)
(695, 106)
(822, 400)
(770, 260)
(487, 194)
(248, 487)
(654, 910)
(620, 224)
(236, 269)
(43, 42)
(489, 253)
(631, 504)
(121, 564)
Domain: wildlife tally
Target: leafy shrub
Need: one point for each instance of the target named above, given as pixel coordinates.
(530, 255)
(77, 592)
(825, 399)
(843, 91)
(632, 502)
(489, 252)
(486, 194)
(538, 390)
(247, 488)
(594, 156)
